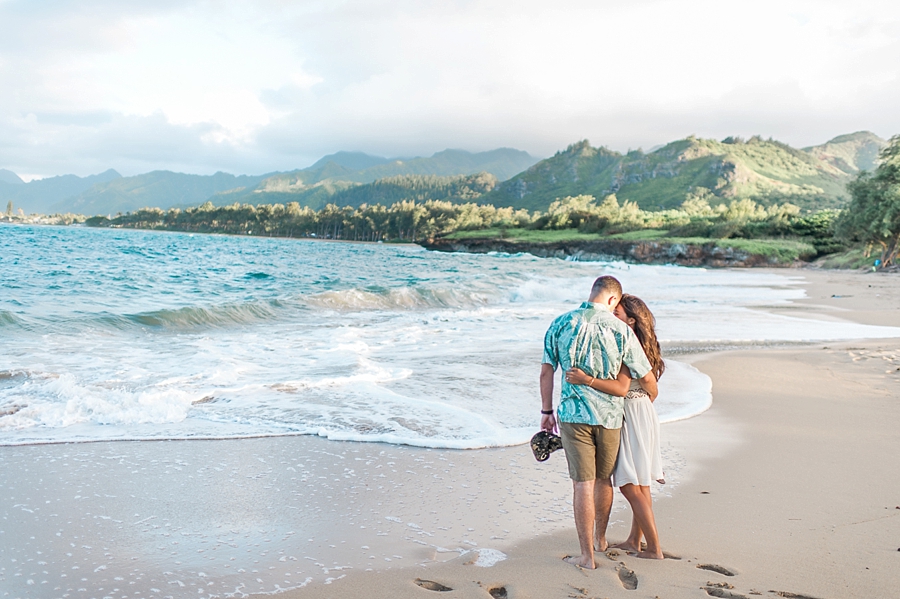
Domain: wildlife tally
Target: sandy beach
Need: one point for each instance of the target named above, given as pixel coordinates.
(786, 487)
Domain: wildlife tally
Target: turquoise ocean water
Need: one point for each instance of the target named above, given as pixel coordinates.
(113, 334)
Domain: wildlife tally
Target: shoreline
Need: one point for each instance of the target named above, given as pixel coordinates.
(708, 254)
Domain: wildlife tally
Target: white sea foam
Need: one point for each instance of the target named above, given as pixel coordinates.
(366, 343)
(489, 557)
(684, 392)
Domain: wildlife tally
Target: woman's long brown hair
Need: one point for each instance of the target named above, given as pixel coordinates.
(645, 330)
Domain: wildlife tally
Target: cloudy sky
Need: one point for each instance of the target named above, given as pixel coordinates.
(252, 87)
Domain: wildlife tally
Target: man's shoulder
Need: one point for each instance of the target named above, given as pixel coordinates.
(566, 318)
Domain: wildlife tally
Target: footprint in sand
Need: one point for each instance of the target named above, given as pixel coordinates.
(432, 585)
(717, 569)
(627, 577)
(722, 592)
(498, 593)
(789, 595)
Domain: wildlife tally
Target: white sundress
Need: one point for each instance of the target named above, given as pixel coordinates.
(639, 461)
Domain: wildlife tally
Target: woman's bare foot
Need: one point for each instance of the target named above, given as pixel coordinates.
(580, 561)
(651, 554)
(626, 546)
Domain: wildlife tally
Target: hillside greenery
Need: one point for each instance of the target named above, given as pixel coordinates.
(387, 191)
(873, 216)
(763, 170)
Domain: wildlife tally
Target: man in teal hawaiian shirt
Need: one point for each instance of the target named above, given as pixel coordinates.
(593, 339)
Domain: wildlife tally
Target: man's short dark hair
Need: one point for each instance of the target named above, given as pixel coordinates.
(606, 284)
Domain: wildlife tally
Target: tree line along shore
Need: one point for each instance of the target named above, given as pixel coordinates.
(864, 233)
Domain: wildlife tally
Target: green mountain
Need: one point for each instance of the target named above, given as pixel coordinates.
(503, 163)
(161, 189)
(386, 191)
(767, 171)
(44, 195)
(332, 180)
(458, 189)
(851, 153)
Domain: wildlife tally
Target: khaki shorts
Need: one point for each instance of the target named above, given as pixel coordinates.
(591, 450)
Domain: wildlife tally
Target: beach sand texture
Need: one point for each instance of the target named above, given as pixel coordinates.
(786, 487)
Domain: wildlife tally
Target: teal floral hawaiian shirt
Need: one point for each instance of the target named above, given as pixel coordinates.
(594, 340)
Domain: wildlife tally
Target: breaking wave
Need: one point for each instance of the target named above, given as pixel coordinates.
(200, 316)
(8, 319)
(405, 298)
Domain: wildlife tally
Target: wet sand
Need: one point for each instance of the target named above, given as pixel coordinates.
(788, 482)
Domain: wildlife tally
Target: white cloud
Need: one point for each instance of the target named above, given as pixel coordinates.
(252, 87)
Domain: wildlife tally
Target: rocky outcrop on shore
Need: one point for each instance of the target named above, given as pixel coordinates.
(640, 252)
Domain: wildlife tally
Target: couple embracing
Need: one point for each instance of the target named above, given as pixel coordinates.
(609, 352)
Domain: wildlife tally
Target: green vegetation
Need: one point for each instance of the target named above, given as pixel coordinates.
(851, 259)
(765, 171)
(873, 216)
(779, 231)
(524, 235)
(783, 250)
(403, 221)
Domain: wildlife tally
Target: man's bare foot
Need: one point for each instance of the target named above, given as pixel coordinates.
(601, 545)
(651, 554)
(626, 546)
(580, 561)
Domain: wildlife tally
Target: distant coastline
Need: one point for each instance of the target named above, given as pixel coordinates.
(709, 253)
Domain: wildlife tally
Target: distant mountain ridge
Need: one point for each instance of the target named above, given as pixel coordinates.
(162, 189)
(354, 161)
(767, 171)
(110, 193)
(331, 180)
(10, 177)
(44, 195)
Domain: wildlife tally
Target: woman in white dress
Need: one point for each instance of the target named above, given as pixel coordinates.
(639, 460)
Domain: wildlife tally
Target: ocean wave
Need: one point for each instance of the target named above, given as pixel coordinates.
(8, 319)
(684, 392)
(202, 316)
(399, 299)
(55, 401)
